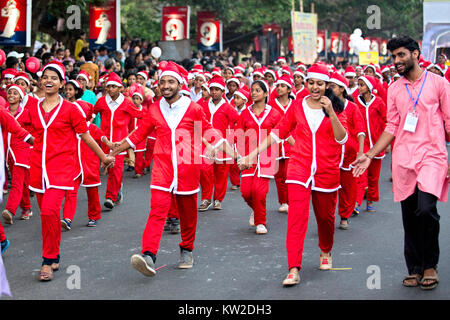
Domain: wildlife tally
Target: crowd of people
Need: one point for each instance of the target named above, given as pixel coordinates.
(320, 132)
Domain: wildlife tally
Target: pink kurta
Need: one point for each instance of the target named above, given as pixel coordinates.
(419, 158)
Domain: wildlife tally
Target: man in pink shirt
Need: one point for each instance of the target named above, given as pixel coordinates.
(418, 118)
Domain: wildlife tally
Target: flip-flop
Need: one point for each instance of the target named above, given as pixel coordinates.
(412, 277)
(55, 266)
(430, 286)
(45, 276)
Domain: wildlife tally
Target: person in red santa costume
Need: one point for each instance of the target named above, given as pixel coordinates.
(374, 113)
(351, 150)
(17, 157)
(214, 174)
(116, 112)
(181, 126)
(300, 89)
(254, 125)
(54, 164)
(282, 104)
(320, 127)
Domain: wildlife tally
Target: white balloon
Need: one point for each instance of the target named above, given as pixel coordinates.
(358, 32)
(353, 36)
(156, 52)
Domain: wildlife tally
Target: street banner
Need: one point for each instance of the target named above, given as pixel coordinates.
(369, 57)
(334, 43)
(304, 33)
(209, 32)
(321, 42)
(104, 26)
(175, 23)
(15, 23)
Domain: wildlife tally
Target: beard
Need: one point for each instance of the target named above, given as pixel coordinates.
(409, 65)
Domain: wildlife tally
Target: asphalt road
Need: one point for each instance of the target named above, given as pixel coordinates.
(231, 261)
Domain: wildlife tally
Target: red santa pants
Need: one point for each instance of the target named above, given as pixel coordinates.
(280, 178)
(347, 194)
(70, 203)
(235, 175)
(369, 179)
(215, 176)
(173, 212)
(160, 204)
(324, 205)
(139, 162)
(94, 208)
(50, 203)
(149, 152)
(2, 233)
(19, 193)
(115, 175)
(254, 191)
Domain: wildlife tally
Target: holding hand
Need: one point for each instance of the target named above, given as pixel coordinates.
(108, 162)
(360, 165)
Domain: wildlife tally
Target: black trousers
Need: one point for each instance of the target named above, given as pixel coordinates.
(421, 227)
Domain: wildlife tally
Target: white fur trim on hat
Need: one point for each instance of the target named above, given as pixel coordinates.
(18, 89)
(367, 82)
(319, 76)
(217, 85)
(240, 94)
(284, 82)
(338, 82)
(172, 74)
(57, 67)
(23, 78)
(114, 83)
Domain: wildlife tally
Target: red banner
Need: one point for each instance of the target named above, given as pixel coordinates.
(334, 43)
(15, 22)
(321, 41)
(209, 32)
(375, 44)
(104, 25)
(383, 47)
(175, 23)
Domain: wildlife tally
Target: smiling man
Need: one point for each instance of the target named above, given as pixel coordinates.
(418, 117)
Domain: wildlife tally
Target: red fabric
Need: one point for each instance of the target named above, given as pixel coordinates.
(235, 175)
(355, 123)
(50, 205)
(2, 233)
(302, 93)
(15, 148)
(90, 163)
(139, 162)
(370, 179)
(9, 124)
(19, 193)
(173, 212)
(160, 204)
(285, 147)
(280, 181)
(347, 194)
(70, 202)
(134, 124)
(254, 191)
(214, 176)
(150, 146)
(324, 206)
(60, 164)
(115, 176)
(94, 208)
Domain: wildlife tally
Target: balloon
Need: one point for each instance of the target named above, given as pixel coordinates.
(33, 64)
(358, 32)
(2, 57)
(156, 52)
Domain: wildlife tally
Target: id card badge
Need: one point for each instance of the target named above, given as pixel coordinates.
(411, 122)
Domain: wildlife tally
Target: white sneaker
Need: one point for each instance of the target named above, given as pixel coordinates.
(284, 208)
(251, 221)
(261, 229)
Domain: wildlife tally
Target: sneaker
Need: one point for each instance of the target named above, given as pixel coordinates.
(325, 262)
(292, 278)
(65, 224)
(186, 259)
(5, 245)
(205, 205)
(26, 215)
(137, 176)
(355, 212)
(92, 223)
(5, 191)
(284, 208)
(109, 204)
(130, 168)
(234, 187)
(7, 216)
(119, 197)
(251, 220)
(343, 225)
(217, 205)
(144, 264)
(174, 226)
(167, 225)
(261, 229)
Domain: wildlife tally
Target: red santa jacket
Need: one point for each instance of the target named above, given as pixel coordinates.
(356, 127)
(54, 160)
(90, 163)
(250, 131)
(134, 124)
(374, 115)
(222, 117)
(315, 157)
(116, 117)
(179, 129)
(17, 149)
(285, 147)
(11, 127)
(301, 93)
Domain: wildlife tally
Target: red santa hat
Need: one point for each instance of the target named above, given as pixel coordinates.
(216, 71)
(440, 67)
(234, 79)
(243, 93)
(239, 67)
(281, 59)
(350, 72)
(58, 66)
(75, 83)
(143, 74)
(385, 69)
(286, 70)
(370, 81)
(201, 75)
(185, 90)
(86, 108)
(285, 79)
(300, 73)
(114, 80)
(339, 79)
(370, 66)
(83, 74)
(208, 75)
(16, 87)
(217, 82)
(271, 72)
(318, 71)
(378, 72)
(206, 86)
(103, 78)
(136, 89)
(358, 68)
(426, 64)
(22, 75)
(301, 66)
(155, 84)
(259, 72)
(197, 68)
(174, 70)
(9, 73)
(229, 68)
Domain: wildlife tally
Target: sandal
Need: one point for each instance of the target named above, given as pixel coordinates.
(46, 276)
(433, 284)
(414, 280)
(55, 266)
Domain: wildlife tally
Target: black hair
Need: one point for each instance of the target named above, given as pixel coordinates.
(338, 104)
(11, 62)
(347, 96)
(263, 86)
(79, 91)
(46, 56)
(89, 55)
(403, 41)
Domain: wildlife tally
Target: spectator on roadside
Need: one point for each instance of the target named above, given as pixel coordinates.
(47, 57)
(80, 44)
(90, 67)
(110, 65)
(67, 56)
(59, 55)
(102, 54)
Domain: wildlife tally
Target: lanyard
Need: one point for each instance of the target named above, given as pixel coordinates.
(420, 92)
